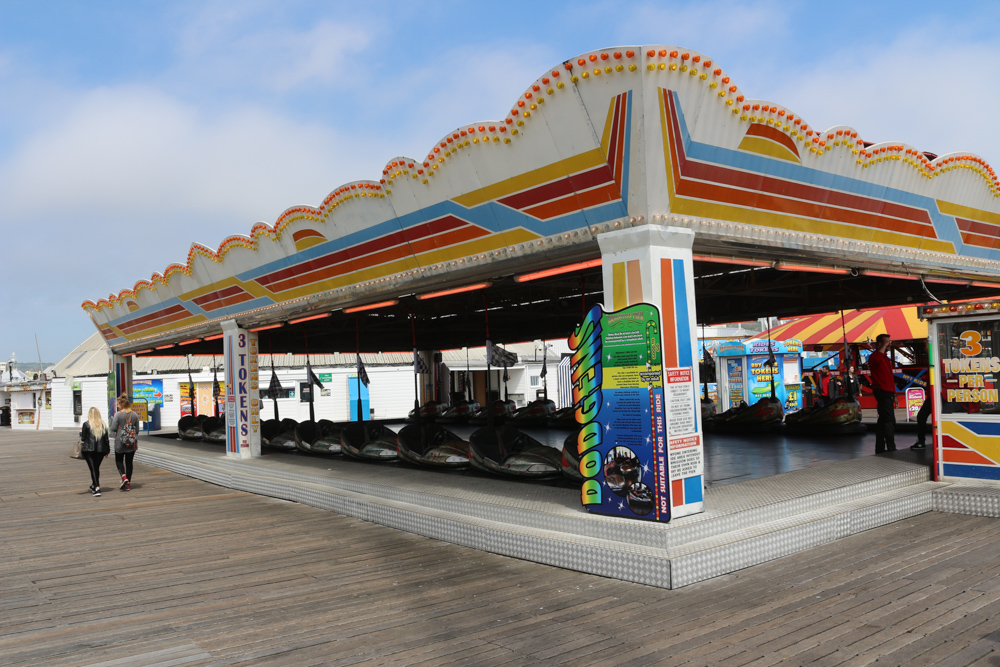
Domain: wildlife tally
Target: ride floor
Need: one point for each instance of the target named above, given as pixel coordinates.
(826, 489)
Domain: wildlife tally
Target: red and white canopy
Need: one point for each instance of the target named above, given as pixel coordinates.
(900, 322)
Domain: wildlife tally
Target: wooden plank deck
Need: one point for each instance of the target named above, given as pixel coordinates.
(180, 572)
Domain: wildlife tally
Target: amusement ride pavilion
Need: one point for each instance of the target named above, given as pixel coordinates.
(626, 176)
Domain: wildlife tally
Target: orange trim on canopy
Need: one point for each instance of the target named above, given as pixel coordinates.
(900, 322)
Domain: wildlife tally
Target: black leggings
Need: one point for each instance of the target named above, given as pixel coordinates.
(94, 463)
(124, 463)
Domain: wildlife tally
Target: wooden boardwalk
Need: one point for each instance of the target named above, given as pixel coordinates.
(180, 572)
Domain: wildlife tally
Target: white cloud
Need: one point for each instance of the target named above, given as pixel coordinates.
(905, 92)
(233, 47)
(134, 151)
(458, 87)
(708, 27)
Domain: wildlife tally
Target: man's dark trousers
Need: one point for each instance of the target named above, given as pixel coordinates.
(885, 428)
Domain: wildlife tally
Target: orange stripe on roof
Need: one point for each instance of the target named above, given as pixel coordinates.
(980, 240)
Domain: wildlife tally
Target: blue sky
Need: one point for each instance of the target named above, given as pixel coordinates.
(129, 130)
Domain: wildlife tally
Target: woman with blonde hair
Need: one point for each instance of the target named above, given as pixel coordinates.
(95, 446)
(125, 429)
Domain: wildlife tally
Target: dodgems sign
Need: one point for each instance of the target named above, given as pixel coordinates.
(638, 420)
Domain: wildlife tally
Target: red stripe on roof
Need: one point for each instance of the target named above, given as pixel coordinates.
(206, 299)
(154, 316)
(149, 324)
(561, 188)
(984, 228)
(306, 233)
(438, 226)
(768, 132)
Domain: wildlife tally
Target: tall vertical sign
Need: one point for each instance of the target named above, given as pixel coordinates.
(242, 393)
(619, 391)
(635, 379)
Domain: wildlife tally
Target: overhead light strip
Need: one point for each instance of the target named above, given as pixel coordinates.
(457, 290)
(883, 274)
(781, 266)
(372, 306)
(311, 317)
(269, 326)
(945, 281)
(568, 268)
(731, 260)
(215, 337)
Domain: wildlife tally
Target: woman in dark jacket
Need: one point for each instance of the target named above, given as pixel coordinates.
(95, 446)
(124, 453)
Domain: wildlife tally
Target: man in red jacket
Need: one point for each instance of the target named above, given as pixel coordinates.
(884, 388)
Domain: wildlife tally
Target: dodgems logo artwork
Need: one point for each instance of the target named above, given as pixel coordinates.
(617, 375)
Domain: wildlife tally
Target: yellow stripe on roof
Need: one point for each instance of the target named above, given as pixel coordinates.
(976, 214)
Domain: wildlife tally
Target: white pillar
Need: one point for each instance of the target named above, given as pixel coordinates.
(654, 265)
(242, 391)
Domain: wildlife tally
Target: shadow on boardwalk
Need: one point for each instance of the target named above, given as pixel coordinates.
(182, 572)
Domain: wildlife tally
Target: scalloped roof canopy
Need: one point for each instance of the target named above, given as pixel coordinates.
(611, 138)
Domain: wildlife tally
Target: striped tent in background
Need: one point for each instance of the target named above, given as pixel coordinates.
(827, 330)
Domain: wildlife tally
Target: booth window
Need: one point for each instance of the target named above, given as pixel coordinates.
(970, 366)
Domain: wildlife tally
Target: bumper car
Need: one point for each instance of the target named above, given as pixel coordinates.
(213, 429)
(431, 444)
(429, 410)
(708, 409)
(460, 412)
(268, 429)
(507, 451)
(536, 413)
(322, 437)
(839, 416)
(368, 441)
(764, 415)
(284, 439)
(563, 418)
(571, 459)
(502, 410)
(323, 440)
(640, 499)
(189, 427)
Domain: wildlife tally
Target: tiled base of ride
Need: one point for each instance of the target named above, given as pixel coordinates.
(744, 524)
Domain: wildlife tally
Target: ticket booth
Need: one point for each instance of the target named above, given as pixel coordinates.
(744, 373)
(964, 345)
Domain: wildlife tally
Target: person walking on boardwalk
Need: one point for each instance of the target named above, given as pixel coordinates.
(125, 431)
(884, 388)
(94, 447)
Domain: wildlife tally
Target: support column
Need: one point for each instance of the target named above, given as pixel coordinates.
(242, 391)
(119, 380)
(654, 265)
